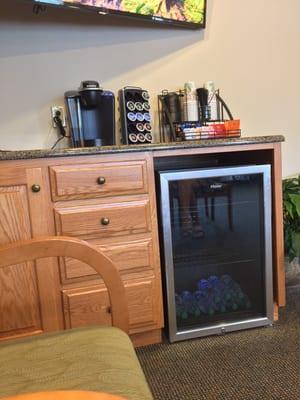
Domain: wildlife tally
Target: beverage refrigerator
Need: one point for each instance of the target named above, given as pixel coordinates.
(216, 235)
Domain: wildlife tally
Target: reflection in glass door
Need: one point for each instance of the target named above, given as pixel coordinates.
(216, 227)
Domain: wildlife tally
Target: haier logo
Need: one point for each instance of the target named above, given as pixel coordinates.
(216, 186)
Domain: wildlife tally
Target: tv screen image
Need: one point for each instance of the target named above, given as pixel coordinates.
(182, 12)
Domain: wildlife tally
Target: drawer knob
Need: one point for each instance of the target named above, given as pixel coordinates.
(35, 188)
(105, 221)
(101, 180)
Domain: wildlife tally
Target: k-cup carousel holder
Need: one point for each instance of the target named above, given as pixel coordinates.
(135, 115)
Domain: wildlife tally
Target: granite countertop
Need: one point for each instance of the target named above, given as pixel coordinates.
(45, 153)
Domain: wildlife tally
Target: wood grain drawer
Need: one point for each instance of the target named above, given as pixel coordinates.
(82, 181)
(90, 306)
(127, 257)
(124, 218)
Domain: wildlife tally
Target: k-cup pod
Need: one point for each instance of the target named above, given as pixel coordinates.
(130, 105)
(146, 106)
(133, 138)
(147, 117)
(131, 116)
(140, 127)
(148, 137)
(139, 106)
(145, 95)
(141, 138)
(147, 126)
(140, 117)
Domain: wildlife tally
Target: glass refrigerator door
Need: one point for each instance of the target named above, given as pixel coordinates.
(217, 246)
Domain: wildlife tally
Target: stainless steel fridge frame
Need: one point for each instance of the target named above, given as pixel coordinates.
(165, 177)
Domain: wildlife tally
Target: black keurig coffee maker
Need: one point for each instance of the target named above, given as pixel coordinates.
(91, 114)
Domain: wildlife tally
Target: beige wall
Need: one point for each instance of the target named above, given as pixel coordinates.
(250, 49)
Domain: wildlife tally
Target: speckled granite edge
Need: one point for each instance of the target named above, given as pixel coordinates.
(46, 153)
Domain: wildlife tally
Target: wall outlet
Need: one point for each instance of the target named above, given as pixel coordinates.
(62, 115)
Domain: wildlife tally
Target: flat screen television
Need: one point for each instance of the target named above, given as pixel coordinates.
(186, 13)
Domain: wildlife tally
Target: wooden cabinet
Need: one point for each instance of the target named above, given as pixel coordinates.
(111, 205)
(110, 201)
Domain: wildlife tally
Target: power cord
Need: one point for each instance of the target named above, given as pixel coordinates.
(59, 124)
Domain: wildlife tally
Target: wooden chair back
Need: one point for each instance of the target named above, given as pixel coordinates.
(61, 246)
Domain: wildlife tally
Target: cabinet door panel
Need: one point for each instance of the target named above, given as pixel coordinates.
(86, 307)
(90, 306)
(141, 303)
(19, 300)
(128, 257)
(82, 181)
(122, 218)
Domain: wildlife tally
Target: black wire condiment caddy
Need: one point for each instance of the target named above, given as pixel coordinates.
(174, 126)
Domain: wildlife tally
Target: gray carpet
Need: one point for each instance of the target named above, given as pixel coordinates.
(261, 363)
